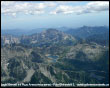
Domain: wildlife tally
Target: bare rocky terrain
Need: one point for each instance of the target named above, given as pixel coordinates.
(53, 56)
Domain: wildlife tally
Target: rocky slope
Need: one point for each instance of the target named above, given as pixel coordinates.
(53, 57)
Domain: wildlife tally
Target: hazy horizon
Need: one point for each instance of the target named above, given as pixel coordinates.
(56, 27)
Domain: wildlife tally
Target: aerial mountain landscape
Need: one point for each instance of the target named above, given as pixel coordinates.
(54, 43)
(53, 56)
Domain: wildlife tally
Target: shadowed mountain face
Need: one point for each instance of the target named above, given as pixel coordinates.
(53, 56)
(99, 34)
(86, 31)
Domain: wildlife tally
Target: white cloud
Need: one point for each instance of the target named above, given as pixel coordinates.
(96, 6)
(50, 4)
(15, 7)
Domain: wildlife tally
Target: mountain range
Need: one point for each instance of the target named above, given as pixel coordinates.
(53, 56)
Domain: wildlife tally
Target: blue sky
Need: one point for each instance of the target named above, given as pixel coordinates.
(31, 15)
